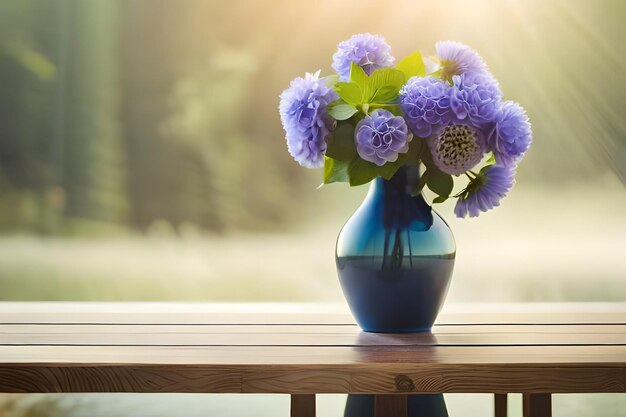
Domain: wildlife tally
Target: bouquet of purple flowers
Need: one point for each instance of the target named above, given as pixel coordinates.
(374, 116)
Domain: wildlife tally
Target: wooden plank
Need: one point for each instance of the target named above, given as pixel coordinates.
(298, 328)
(290, 313)
(298, 379)
(303, 352)
(612, 356)
(299, 335)
(174, 313)
(390, 406)
(537, 405)
(500, 405)
(302, 405)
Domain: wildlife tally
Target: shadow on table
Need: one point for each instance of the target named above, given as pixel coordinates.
(422, 405)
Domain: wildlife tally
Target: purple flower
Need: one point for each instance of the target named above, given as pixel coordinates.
(457, 148)
(381, 136)
(485, 191)
(475, 96)
(456, 58)
(368, 51)
(512, 134)
(304, 118)
(426, 104)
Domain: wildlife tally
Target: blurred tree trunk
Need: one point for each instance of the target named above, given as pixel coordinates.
(60, 145)
(168, 179)
(93, 158)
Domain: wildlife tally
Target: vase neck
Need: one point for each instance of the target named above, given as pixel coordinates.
(398, 207)
(402, 184)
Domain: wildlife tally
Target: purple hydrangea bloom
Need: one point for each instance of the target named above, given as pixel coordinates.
(368, 51)
(381, 136)
(456, 58)
(426, 104)
(485, 191)
(457, 148)
(475, 96)
(512, 134)
(304, 118)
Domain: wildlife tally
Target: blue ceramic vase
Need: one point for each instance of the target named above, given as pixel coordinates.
(395, 257)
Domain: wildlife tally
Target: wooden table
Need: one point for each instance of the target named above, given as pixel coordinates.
(535, 349)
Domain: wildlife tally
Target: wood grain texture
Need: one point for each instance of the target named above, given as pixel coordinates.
(298, 335)
(299, 329)
(390, 406)
(564, 356)
(302, 405)
(301, 313)
(537, 405)
(292, 379)
(91, 347)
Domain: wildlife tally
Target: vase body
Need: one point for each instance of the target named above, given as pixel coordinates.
(395, 258)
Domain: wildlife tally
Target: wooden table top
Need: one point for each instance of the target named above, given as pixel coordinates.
(308, 348)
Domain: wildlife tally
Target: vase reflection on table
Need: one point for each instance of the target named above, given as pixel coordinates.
(418, 405)
(423, 405)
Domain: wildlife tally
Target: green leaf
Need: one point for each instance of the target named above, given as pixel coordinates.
(492, 159)
(386, 94)
(439, 182)
(392, 108)
(335, 171)
(483, 170)
(341, 143)
(412, 65)
(358, 76)
(350, 92)
(426, 156)
(390, 168)
(384, 77)
(440, 199)
(340, 110)
(414, 154)
(361, 172)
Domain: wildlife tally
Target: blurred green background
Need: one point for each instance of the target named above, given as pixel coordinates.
(142, 158)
